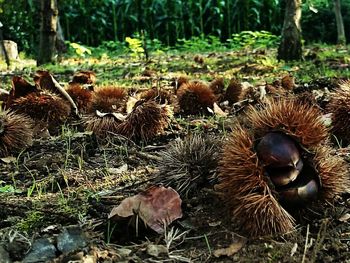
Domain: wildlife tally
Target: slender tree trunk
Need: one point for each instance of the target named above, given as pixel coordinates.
(290, 46)
(7, 59)
(340, 24)
(61, 46)
(48, 31)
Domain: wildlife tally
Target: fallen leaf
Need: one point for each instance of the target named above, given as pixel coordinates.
(156, 250)
(8, 159)
(157, 207)
(294, 249)
(130, 104)
(344, 218)
(118, 170)
(210, 110)
(262, 92)
(118, 116)
(216, 223)
(232, 249)
(218, 111)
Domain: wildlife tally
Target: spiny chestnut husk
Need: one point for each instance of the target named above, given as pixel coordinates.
(302, 122)
(20, 88)
(159, 95)
(80, 95)
(45, 106)
(339, 106)
(180, 81)
(195, 97)
(188, 164)
(288, 82)
(234, 91)
(16, 132)
(84, 77)
(103, 127)
(109, 99)
(218, 86)
(145, 121)
(43, 80)
(278, 162)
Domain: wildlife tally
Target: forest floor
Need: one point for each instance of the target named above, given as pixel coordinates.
(55, 197)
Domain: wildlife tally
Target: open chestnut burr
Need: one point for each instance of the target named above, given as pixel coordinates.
(283, 166)
(279, 161)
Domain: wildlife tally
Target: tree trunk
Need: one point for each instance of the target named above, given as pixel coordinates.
(61, 46)
(290, 46)
(7, 59)
(48, 31)
(340, 24)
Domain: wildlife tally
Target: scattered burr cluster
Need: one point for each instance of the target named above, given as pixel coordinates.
(278, 158)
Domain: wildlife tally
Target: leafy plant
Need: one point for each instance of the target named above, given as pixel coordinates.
(257, 39)
(80, 50)
(135, 46)
(7, 188)
(198, 44)
(33, 220)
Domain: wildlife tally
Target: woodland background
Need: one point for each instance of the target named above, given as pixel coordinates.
(164, 23)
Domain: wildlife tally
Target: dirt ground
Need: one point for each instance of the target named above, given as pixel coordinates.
(71, 181)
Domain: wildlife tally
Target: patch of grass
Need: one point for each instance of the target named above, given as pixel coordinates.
(33, 220)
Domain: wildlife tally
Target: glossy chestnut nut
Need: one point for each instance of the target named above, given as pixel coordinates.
(303, 191)
(278, 150)
(280, 157)
(281, 176)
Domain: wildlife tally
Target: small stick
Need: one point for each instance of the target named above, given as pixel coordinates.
(66, 95)
(306, 243)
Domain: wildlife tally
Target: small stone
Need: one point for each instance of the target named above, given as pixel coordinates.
(42, 251)
(71, 239)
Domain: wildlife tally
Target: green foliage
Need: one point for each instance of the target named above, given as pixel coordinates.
(33, 220)
(8, 189)
(258, 39)
(21, 23)
(113, 46)
(200, 44)
(135, 46)
(167, 22)
(80, 50)
(92, 22)
(318, 21)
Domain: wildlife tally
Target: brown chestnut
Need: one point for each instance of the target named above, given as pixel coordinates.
(299, 194)
(282, 176)
(276, 149)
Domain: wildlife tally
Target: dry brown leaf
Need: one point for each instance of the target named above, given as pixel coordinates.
(218, 111)
(8, 159)
(232, 249)
(130, 104)
(344, 218)
(294, 249)
(116, 115)
(156, 250)
(157, 207)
